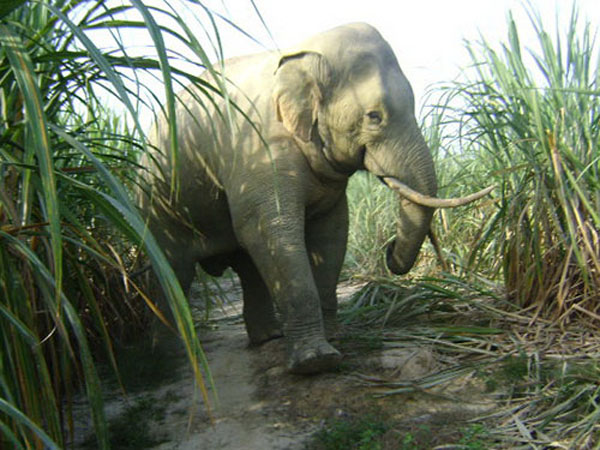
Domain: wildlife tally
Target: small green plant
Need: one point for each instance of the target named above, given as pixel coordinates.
(474, 437)
(359, 433)
(144, 365)
(515, 369)
(408, 442)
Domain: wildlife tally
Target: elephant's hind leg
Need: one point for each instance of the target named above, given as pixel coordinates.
(259, 312)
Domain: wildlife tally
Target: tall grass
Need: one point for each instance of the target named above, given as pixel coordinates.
(372, 208)
(529, 119)
(69, 232)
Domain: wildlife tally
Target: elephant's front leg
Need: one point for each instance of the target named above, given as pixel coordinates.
(276, 243)
(326, 239)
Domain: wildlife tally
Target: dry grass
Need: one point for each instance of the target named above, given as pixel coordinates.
(543, 380)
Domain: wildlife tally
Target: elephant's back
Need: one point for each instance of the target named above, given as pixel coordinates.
(239, 69)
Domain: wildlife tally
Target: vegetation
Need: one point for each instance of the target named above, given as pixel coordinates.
(527, 121)
(515, 272)
(137, 427)
(531, 122)
(70, 235)
(372, 208)
(360, 433)
(369, 431)
(515, 298)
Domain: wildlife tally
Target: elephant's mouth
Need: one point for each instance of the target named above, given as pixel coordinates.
(340, 167)
(362, 152)
(374, 167)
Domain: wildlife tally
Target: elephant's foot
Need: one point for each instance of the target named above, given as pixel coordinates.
(311, 356)
(261, 332)
(262, 336)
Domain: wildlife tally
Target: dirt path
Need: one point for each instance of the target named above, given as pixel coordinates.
(263, 407)
(243, 418)
(252, 411)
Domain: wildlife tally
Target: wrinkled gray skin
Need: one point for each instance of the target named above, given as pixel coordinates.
(336, 104)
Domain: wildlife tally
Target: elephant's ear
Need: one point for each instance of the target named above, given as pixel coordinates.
(301, 81)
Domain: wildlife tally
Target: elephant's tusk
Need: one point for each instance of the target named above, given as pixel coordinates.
(433, 202)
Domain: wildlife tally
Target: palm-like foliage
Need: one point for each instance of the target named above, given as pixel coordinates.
(69, 232)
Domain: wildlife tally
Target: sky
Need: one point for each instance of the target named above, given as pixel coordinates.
(426, 35)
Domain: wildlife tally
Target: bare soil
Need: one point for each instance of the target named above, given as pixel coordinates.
(261, 406)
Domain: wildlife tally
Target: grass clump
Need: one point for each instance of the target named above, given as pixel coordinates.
(474, 437)
(548, 402)
(527, 118)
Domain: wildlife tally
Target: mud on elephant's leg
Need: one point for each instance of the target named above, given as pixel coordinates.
(259, 311)
(326, 238)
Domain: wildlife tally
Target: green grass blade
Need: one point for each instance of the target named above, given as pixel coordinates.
(8, 6)
(44, 389)
(156, 35)
(92, 382)
(100, 59)
(37, 128)
(21, 418)
(164, 272)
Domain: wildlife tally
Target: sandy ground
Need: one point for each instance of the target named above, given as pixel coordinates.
(251, 413)
(261, 406)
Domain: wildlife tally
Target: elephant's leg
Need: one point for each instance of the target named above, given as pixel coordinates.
(259, 312)
(276, 242)
(326, 239)
(177, 242)
(184, 271)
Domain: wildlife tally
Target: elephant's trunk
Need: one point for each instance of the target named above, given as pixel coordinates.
(412, 228)
(412, 164)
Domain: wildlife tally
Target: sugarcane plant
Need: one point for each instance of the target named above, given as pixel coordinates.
(71, 132)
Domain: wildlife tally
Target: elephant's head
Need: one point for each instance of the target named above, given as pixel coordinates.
(344, 91)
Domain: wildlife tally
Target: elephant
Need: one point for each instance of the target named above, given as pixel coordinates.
(261, 180)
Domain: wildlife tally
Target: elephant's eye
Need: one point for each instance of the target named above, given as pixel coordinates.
(375, 117)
